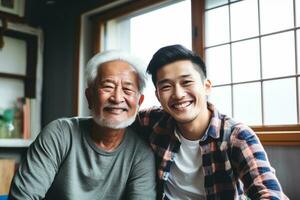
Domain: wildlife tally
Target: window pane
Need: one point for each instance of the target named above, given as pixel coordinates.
(297, 13)
(9, 62)
(145, 33)
(298, 48)
(221, 98)
(245, 60)
(10, 90)
(216, 26)
(213, 3)
(280, 102)
(244, 19)
(247, 103)
(298, 99)
(278, 55)
(218, 64)
(145, 39)
(153, 30)
(276, 15)
(117, 34)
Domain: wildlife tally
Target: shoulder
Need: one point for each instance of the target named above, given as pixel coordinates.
(136, 140)
(61, 130)
(67, 124)
(238, 133)
(150, 116)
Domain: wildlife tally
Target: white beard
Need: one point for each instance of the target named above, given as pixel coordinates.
(114, 125)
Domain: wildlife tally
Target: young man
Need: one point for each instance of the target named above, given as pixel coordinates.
(93, 158)
(201, 154)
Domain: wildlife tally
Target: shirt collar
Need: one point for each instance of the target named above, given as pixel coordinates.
(213, 129)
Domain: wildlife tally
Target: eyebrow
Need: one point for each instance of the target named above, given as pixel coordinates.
(169, 80)
(125, 82)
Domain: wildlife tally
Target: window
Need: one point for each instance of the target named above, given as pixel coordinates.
(143, 33)
(250, 51)
(251, 48)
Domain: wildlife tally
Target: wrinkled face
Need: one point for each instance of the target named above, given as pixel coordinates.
(115, 99)
(181, 91)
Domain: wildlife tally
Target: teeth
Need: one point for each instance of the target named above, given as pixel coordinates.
(116, 110)
(182, 105)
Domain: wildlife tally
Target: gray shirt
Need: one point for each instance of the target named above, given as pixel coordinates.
(63, 163)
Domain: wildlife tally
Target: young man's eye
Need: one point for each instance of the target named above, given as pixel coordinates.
(164, 87)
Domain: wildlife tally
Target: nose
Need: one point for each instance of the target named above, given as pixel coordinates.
(178, 92)
(117, 96)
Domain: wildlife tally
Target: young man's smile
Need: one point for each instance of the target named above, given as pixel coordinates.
(181, 91)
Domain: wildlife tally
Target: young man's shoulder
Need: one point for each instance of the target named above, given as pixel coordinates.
(235, 131)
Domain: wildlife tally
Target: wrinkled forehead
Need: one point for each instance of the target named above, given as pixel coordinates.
(118, 70)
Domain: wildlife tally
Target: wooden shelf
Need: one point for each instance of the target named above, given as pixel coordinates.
(15, 143)
(12, 76)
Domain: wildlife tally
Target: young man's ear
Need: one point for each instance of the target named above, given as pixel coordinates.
(207, 86)
(88, 95)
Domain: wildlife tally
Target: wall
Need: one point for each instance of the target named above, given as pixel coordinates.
(286, 162)
(59, 22)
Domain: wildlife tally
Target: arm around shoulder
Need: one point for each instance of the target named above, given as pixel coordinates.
(252, 165)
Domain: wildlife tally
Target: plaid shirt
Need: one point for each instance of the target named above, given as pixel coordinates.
(234, 161)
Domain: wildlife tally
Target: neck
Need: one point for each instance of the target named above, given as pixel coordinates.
(195, 129)
(105, 138)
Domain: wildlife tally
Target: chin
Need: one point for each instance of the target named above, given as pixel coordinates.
(112, 124)
(183, 120)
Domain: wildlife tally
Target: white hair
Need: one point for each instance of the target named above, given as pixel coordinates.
(97, 60)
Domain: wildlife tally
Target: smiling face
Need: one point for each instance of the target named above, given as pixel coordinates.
(181, 91)
(115, 98)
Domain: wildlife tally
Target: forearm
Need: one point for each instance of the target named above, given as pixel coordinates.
(253, 167)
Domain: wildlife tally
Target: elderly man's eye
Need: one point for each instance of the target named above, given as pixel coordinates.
(129, 91)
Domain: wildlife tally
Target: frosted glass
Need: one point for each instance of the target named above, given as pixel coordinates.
(213, 3)
(276, 15)
(278, 55)
(297, 2)
(247, 103)
(10, 90)
(144, 34)
(166, 26)
(13, 56)
(298, 52)
(280, 101)
(216, 26)
(117, 34)
(221, 98)
(244, 19)
(218, 64)
(298, 98)
(245, 60)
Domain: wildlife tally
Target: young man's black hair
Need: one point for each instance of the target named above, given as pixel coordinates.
(172, 53)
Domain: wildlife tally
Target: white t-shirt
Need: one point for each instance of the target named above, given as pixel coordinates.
(186, 179)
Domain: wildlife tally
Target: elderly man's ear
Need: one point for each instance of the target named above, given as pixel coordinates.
(141, 100)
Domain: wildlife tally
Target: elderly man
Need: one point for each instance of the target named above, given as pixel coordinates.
(93, 158)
